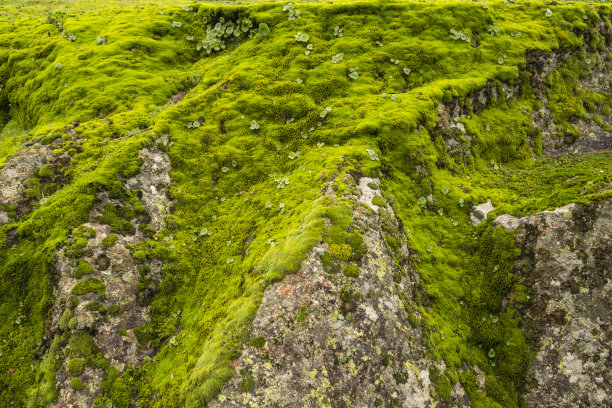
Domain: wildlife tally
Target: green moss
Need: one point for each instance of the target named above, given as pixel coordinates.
(217, 286)
(81, 345)
(351, 271)
(90, 285)
(96, 306)
(379, 201)
(77, 384)
(114, 310)
(83, 268)
(77, 249)
(257, 342)
(118, 217)
(109, 241)
(76, 367)
(73, 323)
(341, 252)
(72, 302)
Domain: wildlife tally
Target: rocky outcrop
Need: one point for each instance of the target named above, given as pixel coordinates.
(328, 338)
(566, 266)
(101, 290)
(19, 168)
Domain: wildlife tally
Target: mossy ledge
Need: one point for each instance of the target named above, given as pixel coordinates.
(270, 138)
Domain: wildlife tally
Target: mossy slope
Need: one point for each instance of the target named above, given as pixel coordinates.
(257, 189)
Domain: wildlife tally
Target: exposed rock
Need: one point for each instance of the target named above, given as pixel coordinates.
(480, 212)
(511, 223)
(566, 266)
(153, 180)
(19, 168)
(115, 267)
(326, 340)
(367, 192)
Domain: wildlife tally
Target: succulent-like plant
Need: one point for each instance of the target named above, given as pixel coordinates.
(338, 32)
(254, 125)
(177, 24)
(302, 37)
(264, 30)
(373, 155)
(493, 30)
(291, 11)
(337, 58)
(548, 13)
(101, 41)
(459, 35)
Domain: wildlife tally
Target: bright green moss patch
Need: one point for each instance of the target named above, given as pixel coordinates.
(247, 182)
(118, 217)
(341, 252)
(81, 345)
(379, 201)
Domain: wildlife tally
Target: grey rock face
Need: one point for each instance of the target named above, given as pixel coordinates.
(121, 273)
(480, 212)
(566, 265)
(20, 167)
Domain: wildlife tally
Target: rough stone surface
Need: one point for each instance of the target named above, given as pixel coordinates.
(120, 272)
(327, 340)
(153, 180)
(20, 167)
(566, 263)
(480, 212)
